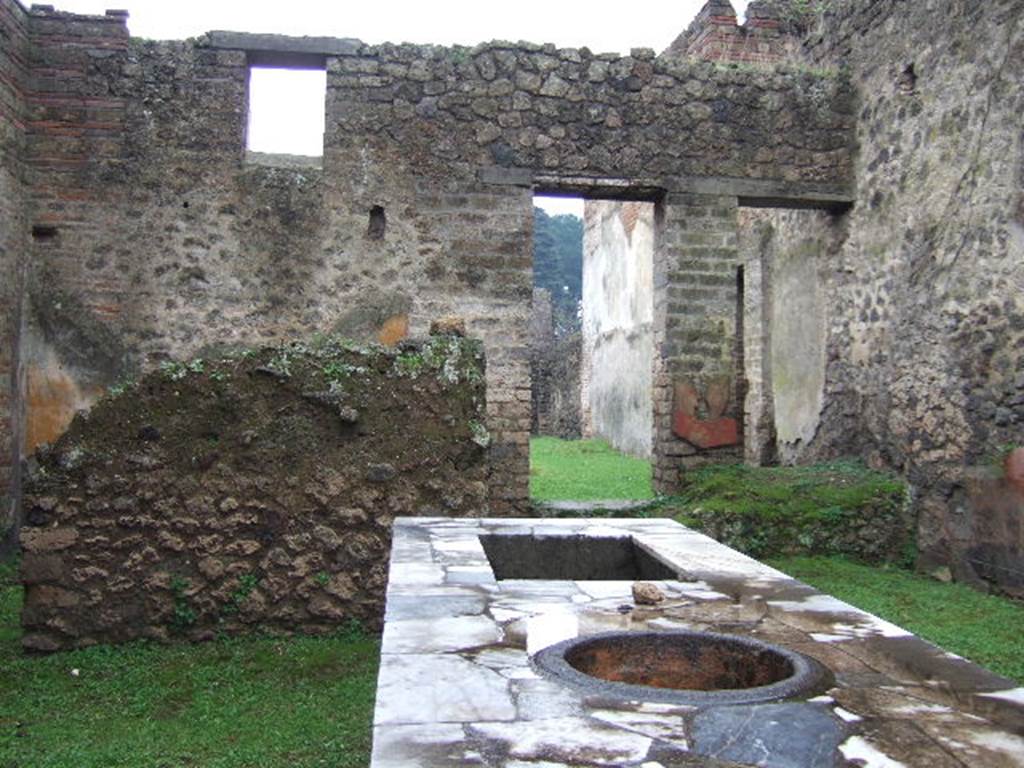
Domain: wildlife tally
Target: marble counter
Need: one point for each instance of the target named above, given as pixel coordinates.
(457, 687)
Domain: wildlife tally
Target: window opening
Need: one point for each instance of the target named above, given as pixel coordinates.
(286, 111)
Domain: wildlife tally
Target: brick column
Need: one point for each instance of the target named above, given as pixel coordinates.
(476, 242)
(12, 394)
(14, 68)
(759, 415)
(697, 413)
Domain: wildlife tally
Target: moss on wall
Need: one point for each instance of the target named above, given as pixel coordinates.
(836, 508)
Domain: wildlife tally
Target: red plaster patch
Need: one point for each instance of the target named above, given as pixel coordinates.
(713, 433)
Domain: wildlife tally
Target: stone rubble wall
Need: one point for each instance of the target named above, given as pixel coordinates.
(248, 491)
(156, 235)
(163, 237)
(572, 113)
(924, 299)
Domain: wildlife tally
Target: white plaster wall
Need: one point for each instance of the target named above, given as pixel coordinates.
(618, 312)
(798, 336)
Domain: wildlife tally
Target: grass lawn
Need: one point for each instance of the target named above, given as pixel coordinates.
(258, 703)
(988, 630)
(585, 470)
(264, 703)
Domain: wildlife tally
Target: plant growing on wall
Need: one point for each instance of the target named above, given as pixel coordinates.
(183, 616)
(799, 15)
(246, 584)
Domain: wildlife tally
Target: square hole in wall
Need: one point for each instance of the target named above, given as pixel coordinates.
(572, 558)
(286, 111)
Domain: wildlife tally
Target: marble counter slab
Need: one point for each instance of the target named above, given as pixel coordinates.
(457, 688)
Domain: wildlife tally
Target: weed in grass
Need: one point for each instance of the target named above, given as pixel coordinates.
(122, 385)
(176, 371)
(409, 364)
(337, 372)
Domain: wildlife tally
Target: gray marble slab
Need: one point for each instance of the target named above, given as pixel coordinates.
(457, 686)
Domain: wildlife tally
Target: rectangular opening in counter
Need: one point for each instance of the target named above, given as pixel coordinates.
(572, 558)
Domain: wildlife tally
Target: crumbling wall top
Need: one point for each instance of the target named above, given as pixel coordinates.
(766, 36)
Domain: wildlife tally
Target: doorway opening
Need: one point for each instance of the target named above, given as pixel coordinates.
(592, 350)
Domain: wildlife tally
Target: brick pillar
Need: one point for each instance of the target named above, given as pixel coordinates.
(759, 416)
(12, 402)
(14, 76)
(697, 413)
(485, 233)
(508, 419)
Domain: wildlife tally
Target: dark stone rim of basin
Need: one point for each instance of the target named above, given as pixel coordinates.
(788, 674)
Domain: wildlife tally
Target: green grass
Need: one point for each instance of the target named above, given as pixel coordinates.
(257, 702)
(988, 630)
(585, 470)
(808, 492)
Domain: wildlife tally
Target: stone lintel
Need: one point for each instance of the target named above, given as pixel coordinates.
(751, 193)
(594, 187)
(288, 49)
(511, 177)
(767, 193)
(835, 204)
(601, 188)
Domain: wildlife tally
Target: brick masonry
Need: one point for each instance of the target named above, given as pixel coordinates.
(695, 299)
(158, 237)
(14, 63)
(764, 38)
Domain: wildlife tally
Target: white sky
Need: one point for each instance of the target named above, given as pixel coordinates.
(286, 110)
(602, 27)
